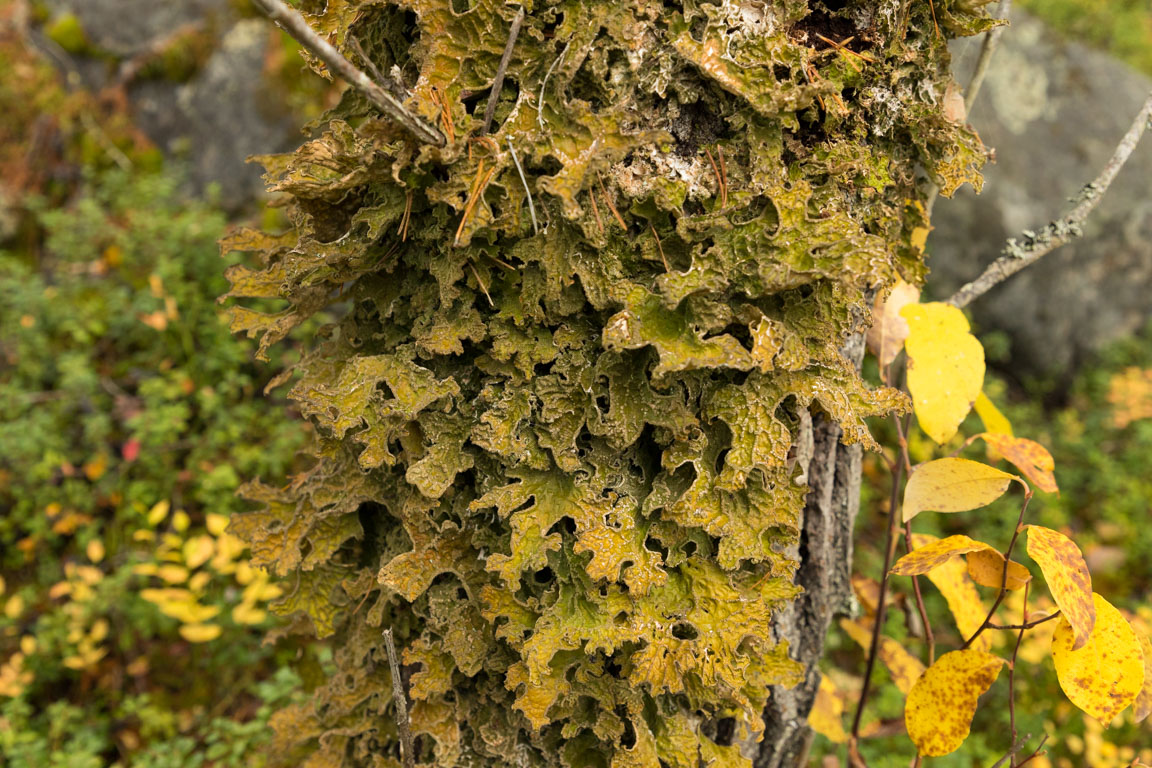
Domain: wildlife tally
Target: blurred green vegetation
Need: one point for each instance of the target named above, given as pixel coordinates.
(130, 624)
(1121, 27)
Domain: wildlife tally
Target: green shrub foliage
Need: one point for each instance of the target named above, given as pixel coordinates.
(556, 419)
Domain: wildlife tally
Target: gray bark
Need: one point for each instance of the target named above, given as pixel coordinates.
(825, 573)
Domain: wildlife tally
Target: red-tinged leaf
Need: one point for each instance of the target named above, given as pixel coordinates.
(885, 338)
(1030, 457)
(1143, 705)
(1068, 579)
(130, 451)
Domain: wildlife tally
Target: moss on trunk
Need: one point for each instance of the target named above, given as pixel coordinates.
(560, 419)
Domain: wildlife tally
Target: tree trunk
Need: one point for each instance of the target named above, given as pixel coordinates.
(825, 573)
(589, 414)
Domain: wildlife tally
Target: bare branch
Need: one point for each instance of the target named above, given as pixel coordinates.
(407, 755)
(991, 39)
(1018, 255)
(498, 81)
(1019, 745)
(294, 24)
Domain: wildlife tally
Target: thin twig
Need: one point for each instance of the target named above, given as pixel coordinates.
(381, 78)
(611, 205)
(987, 48)
(723, 175)
(1016, 256)
(1012, 672)
(407, 753)
(296, 26)
(1016, 747)
(596, 210)
(929, 636)
(1004, 576)
(889, 549)
(481, 284)
(527, 191)
(498, 81)
(544, 85)
(659, 246)
(1028, 625)
(1035, 753)
(406, 218)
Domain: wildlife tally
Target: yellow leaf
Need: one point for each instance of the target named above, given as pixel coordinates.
(827, 711)
(904, 668)
(248, 614)
(95, 469)
(173, 574)
(934, 554)
(941, 705)
(1068, 579)
(215, 523)
(1143, 705)
(200, 633)
(199, 581)
(867, 592)
(1106, 674)
(1030, 457)
(14, 607)
(886, 337)
(994, 421)
(986, 567)
(199, 550)
(960, 593)
(158, 512)
(144, 569)
(945, 367)
(953, 485)
(3, 585)
(95, 550)
(181, 521)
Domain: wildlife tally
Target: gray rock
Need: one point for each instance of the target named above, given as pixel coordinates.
(219, 118)
(1054, 111)
(128, 27)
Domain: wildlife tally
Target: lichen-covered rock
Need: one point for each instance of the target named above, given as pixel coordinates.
(556, 416)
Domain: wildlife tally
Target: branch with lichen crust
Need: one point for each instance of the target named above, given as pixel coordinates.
(1017, 255)
(295, 25)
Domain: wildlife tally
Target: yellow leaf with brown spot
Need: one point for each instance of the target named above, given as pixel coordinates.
(986, 567)
(1143, 706)
(934, 554)
(904, 668)
(1106, 674)
(1068, 579)
(1030, 457)
(945, 367)
(941, 705)
(886, 337)
(827, 711)
(960, 593)
(953, 485)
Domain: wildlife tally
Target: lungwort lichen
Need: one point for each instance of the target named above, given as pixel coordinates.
(568, 360)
